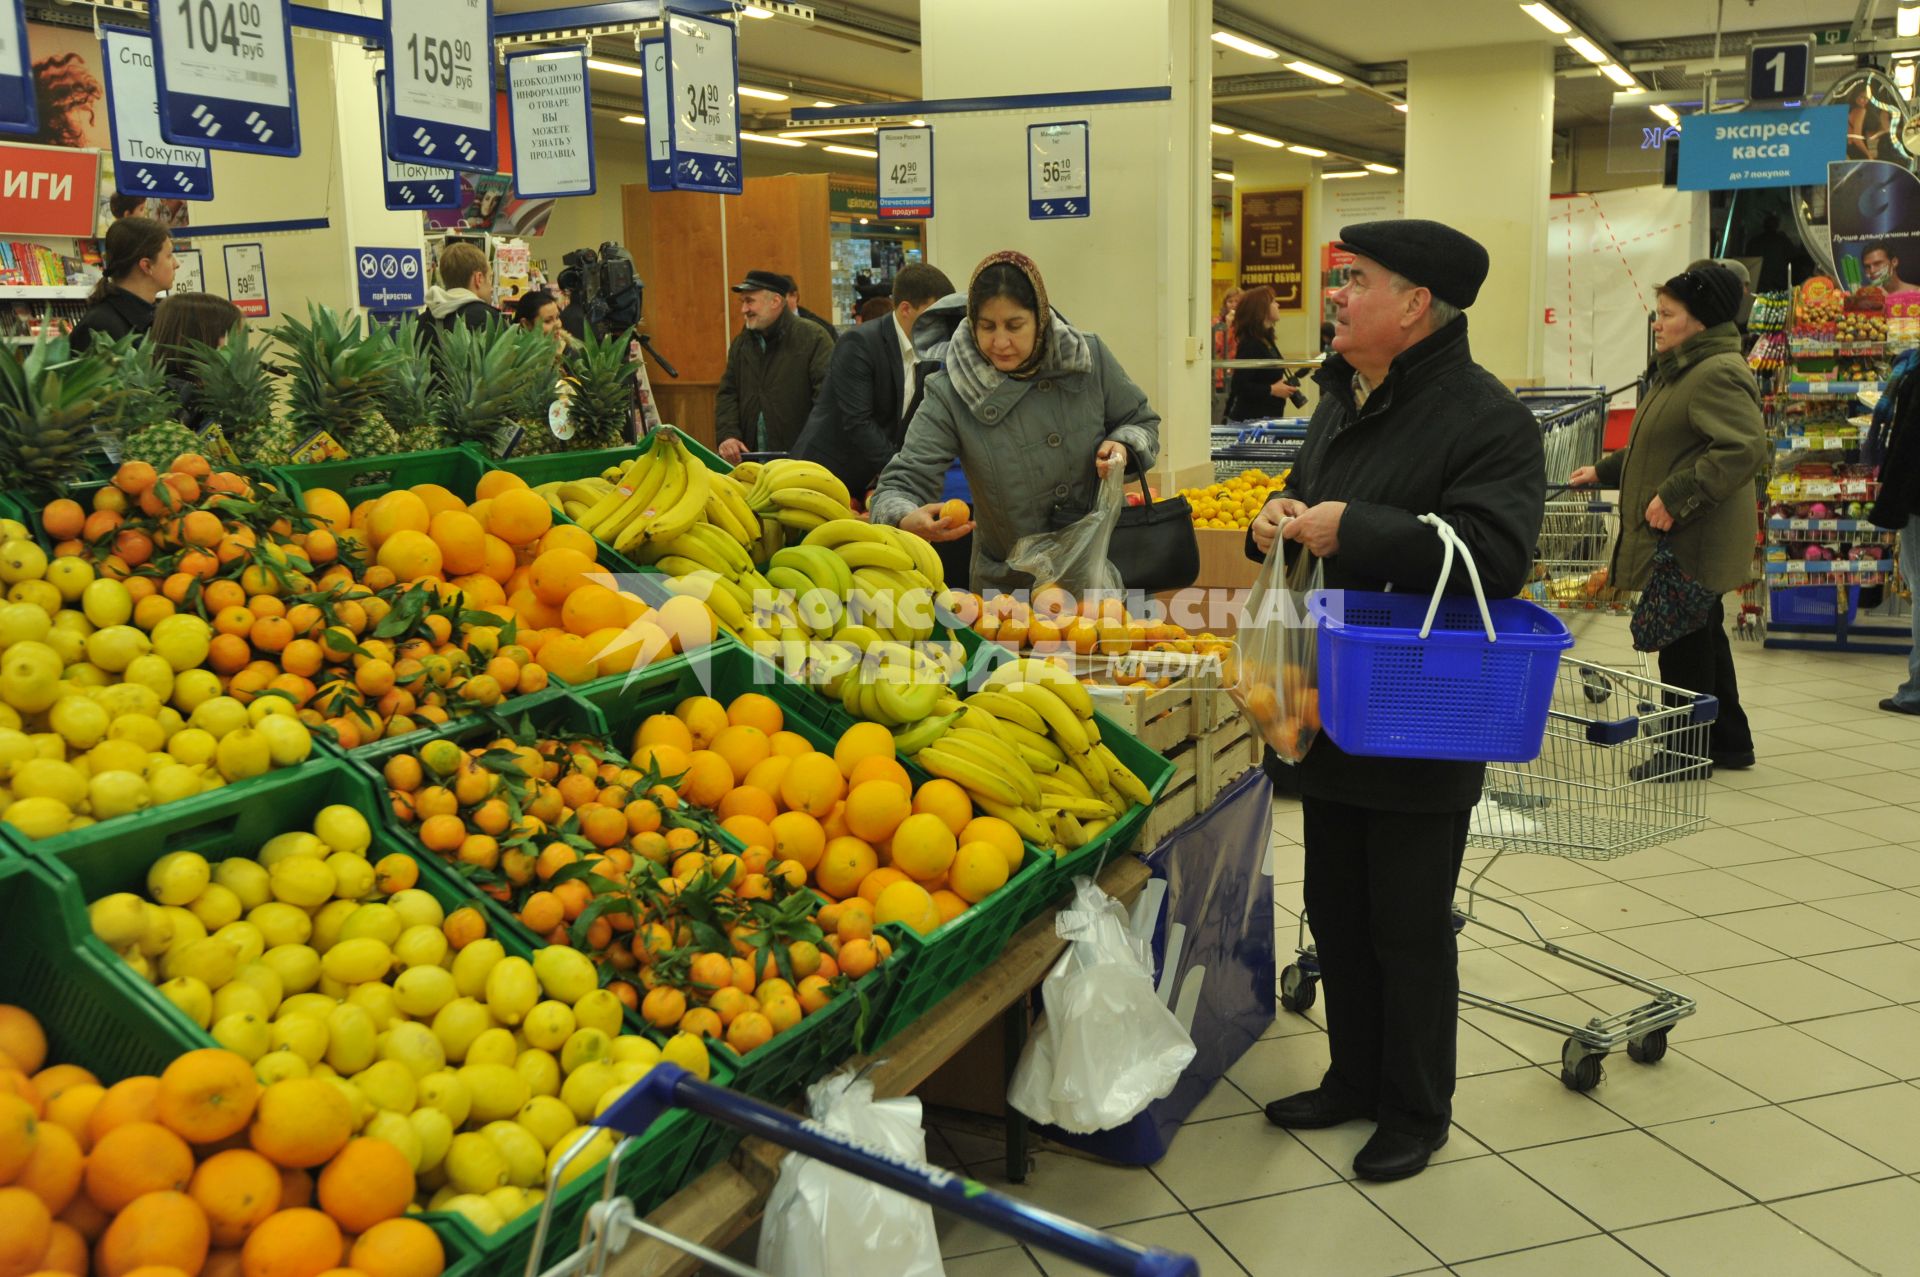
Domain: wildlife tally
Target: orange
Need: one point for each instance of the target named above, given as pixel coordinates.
(747, 800)
(301, 1122)
(23, 1042)
(878, 881)
(663, 1007)
(752, 831)
(710, 971)
(842, 866)
(397, 511)
(875, 809)
(568, 536)
(14, 1082)
(879, 768)
(398, 1248)
(134, 477)
(495, 482)
(789, 744)
(436, 498)
(19, 1133)
(798, 837)
(589, 607)
(556, 573)
(411, 555)
(603, 826)
(948, 801)
(140, 1157)
(161, 1230)
(813, 784)
(500, 563)
(464, 926)
(237, 1189)
(570, 658)
(137, 1099)
(207, 1095)
(66, 1251)
(923, 846)
(769, 772)
(53, 1172)
(743, 746)
(293, 1243)
(663, 729)
(756, 710)
(25, 1230)
(705, 718)
(519, 516)
(857, 957)
(461, 539)
(813, 993)
(859, 742)
(369, 1182)
(63, 518)
(992, 829)
(750, 1029)
(707, 780)
(979, 869)
(329, 507)
(687, 622)
(70, 1106)
(89, 1220)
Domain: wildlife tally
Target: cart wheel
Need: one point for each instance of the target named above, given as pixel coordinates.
(1596, 686)
(1579, 1070)
(1459, 922)
(1649, 1049)
(1296, 989)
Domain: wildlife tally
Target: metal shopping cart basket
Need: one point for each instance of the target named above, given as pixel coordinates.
(1273, 446)
(1623, 766)
(1573, 423)
(607, 1225)
(1576, 541)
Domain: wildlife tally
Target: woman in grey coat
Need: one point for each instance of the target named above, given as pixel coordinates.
(1037, 413)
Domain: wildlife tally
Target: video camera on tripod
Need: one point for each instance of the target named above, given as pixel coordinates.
(605, 285)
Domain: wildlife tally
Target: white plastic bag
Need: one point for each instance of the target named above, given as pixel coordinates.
(824, 1222)
(1107, 1046)
(1075, 557)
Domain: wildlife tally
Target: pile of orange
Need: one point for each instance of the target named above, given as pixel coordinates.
(1052, 621)
(197, 1171)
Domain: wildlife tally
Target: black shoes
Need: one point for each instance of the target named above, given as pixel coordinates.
(1733, 762)
(1895, 707)
(1392, 1155)
(1314, 1110)
(1666, 767)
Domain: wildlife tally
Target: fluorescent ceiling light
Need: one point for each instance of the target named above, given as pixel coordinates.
(1587, 49)
(826, 104)
(1313, 151)
(633, 119)
(765, 95)
(1244, 45)
(861, 151)
(769, 139)
(1313, 72)
(1665, 112)
(1261, 139)
(1400, 107)
(1382, 168)
(1343, 173)
(918, 124)
(1619, 75)
(1547, 18)
(1632, 89)
(1903, 74)
(618, 68)
(1221, 128)
(755, 11)
(847, 130)
(1906, 21)
(1221, 176)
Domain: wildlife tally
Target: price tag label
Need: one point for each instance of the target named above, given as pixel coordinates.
(703, 95)
(440, 64)
(190, 273)
(653, 59)
(1058, 183)
(145, 164)
(413, 186)
(225, 71)
(247, 279)
(906, 171)
(17, 113)
(551, 122)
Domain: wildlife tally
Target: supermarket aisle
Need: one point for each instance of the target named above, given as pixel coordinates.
(1781, 1134)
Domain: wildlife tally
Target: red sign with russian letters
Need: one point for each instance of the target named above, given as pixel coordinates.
(48, 190)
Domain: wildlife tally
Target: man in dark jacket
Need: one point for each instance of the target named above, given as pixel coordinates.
(1407, 424)
(774, 370)
(861, 415)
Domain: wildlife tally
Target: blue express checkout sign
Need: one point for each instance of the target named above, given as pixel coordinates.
(1732, 150)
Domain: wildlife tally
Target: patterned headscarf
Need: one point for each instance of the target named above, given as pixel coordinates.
(1043, 317)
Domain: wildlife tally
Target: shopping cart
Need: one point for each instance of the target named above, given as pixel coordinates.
(1272, 445)
(1623, 766)
(607, 1224)
(1573, 424)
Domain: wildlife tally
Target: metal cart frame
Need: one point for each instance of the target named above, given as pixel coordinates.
(1601, 787)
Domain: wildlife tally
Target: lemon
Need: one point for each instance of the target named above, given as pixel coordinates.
(186, 928)
(281, 846)
(540, 1069)
(418, 909)
(343, 829)
(549, 1024)
(212, 962)
(627, 1072)
(476, 1210)
(118, 919)
(311, 1005)
(270, 707)
(302, 881)
(473, 964)
(81, 722)
(248, 945)
(362, 1109)
(288, 740)
(689, 1051)
(220, 715)
(357, 961)
(585, 1046)
(41, 594)
(22, 560)
(353, 877)
(396, 1130)
(72, 575)
(243, 1033)
(118, 755)
(192, 746)
(15, 748)
(245, 879)
(300, 1035)
(14, 530)
(388, 1084)
(158, 935)
(526, 1158)
(584, 1086)
(280, 1066)
(279, 923)
(243, 754)
(192, 686)
(565, 973)
(588, 1147)
(512, 990)
(171, 783)
(376, 1000)
(48, 745)
(105, 603)
(420, 991)
(235, 998)
(23, 623)
(192, 997)
(215, 906)
(602, 1010)
(632, 1048)
(183, 641)
(475, 1164)
(350, 1039)
(257, 976)
(329, 919)
(513, 1201)
(115, 647)
(415, 1046)
(421, 946)
(497, 1091)
(495, 1046)
(30, 676)
(458, 1023)
(177, 877)
(297, 966)
(547, 1119)
(151, 672)
(434, 1131)
(446, 1091)
(373, 921)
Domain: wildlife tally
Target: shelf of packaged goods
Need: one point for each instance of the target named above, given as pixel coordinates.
(1816, 443)
(1838, 350)
(46, 292)
(1858, 571)
(1833, 389)
(1827, 525)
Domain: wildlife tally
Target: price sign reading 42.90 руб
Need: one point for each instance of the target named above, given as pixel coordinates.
(440, 84)
(1058, 183)
(225, 74)
(906, 171)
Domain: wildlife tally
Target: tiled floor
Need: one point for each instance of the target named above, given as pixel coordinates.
(1781, 1134)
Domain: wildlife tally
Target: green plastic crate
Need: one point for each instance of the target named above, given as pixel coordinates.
(547, 468)
(362, 478)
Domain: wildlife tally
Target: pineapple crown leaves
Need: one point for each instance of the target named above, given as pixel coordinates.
(485, 378)
(339, 375)
(601, 373)
(233, 385)
(54, 409)
(147, 394)
(409, 397)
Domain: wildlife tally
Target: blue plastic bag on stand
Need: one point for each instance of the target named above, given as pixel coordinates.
(1213, 955)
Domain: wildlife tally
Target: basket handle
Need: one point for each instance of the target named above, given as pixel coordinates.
(1451, 540)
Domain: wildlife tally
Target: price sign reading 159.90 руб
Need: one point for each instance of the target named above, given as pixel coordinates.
(906, 171)
(440, 64)
(225, 72)
(1058, 184)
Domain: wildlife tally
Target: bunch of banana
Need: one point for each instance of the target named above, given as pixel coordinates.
(660, 495)
(574, 497)
(898, 684)
(800, 495)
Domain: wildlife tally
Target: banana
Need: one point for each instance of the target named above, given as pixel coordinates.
(1034, 669)
(911, 739)
(745, 473)
(1030, 826)
(742, 599)
(925, 557)
(687, 548)
(796, 520)
(903, 701)
(636, 476)
(1034, 742)
(721, 544)
(786, 579)
(1095, 771)
(808, 476)
(1066, 729)
(992, 752)
(810, 501)
(675, 565)
(1068, 829)
(708, 588)
(824, 568)
(1010, 709)
(639, 510)
(1067, 782)
(1091, 807)
(872, 554)
(971, 775)
(837, 532)
(1128, 785)
(721, 518)
(675, 517)
(1038, 763)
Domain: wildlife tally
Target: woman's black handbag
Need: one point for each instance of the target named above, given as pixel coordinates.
(1153, 545)
(1672, 606)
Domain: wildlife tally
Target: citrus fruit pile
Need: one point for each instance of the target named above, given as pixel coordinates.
(1233, 503)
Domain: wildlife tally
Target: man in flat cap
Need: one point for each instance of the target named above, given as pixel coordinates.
(1407, 424)
(774, 370)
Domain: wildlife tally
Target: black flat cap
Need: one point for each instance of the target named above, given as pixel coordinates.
(1436, 257)
(1710, 292)
(770, 280)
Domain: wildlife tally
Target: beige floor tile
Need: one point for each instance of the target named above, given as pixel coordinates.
(1181, 1234)
(1695, 944)
(1563, 973)
(1274, 1067)
(1890, 866)
(1876, 1224)
(1893, 914)
(1784, 1064)
(1234, 1158)
(1770, 1153)
(1587, 1257)
(1476, 1053)
(1524, 1107)
(1812, 835)
(1705, 892)
(1890, 970)
(1338, 1145)
(1289, 862)
(972, 1144)
(1885, 787)
(1626, 1178)
(1881, 1121)
(1885, 755)
(1318, 1232)
(1224, 1100)
(1608, 907)
(1887, 823)
(1887, 1038)
(1010, 1261)
(1752, 1241)
(1827, 737)
(1286, 822)
(1673, 1090)
(1719, 846)
(1743, 808)
(1816, 798)
(1500, 911)
(1528, 874)
(1083, 1189)
(1648, 862)
(1541, 1046)
(1799, 930)
(1819, 766)
(1714, 1013)
(1493, 973)
(1790, 990)
(1761, 776)
(1479, 1207)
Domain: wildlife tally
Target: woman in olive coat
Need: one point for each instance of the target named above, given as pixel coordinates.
(1687, 474)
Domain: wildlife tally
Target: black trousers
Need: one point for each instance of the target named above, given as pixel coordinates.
(1379, 895)
(1703, 662)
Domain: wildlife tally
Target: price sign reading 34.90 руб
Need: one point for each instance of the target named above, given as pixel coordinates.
(225, 73)
(440, 83)
(703, 87)
(1058, 183)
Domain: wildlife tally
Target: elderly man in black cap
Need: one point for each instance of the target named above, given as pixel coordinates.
(774, 370)
(1407, 424)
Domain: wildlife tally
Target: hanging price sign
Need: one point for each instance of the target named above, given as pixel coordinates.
(413, 186)
(145, 164)
(225, 70)
(440, 84)
(703, 94)
(653, 58)
(1058, 183)
(552, 124)
(247, 279)
(17, 114)
(189, 272)
(906, 171)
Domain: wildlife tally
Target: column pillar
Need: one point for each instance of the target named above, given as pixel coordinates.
(1480, 159)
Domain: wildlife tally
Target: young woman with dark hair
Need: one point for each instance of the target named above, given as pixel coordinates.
(138, 267)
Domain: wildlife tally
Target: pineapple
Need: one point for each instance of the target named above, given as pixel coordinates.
(148, 421)
(54, 412)
(409, 397)
(234, 392)
(339, 379)
(601, 371)
(488, 381)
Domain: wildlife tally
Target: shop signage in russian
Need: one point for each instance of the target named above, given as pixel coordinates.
(17, 113)
(189, 272)
(390, 278)
(1273, 244)
(247, 279)
(905, 171)
(225, 71)
(1059, 183)
(653, 60)
(440, 90)
(145, 164)
(551, 124)
(48, 190)
(1736, 149)
(413, 186)
(703, 93)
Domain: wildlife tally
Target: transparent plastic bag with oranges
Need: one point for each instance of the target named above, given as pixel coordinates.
(1075, 557)
(1276, 672)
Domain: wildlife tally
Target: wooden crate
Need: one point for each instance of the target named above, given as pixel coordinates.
(1204, 764)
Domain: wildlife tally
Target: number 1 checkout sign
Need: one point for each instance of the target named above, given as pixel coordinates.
(225, 73)
(440, 77)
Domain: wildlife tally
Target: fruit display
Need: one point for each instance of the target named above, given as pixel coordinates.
(1051, 621)
(1233, 503)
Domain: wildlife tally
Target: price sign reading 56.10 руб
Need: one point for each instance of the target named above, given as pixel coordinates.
(906, 171)
(225, 72)
(1058, 183)
(440, 88)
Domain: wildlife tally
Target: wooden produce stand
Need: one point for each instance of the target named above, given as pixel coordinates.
(723, 1203)
(1198, 728)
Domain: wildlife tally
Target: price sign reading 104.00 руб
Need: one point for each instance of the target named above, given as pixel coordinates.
(225, 75)
(1058, 183)
(440, 64)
